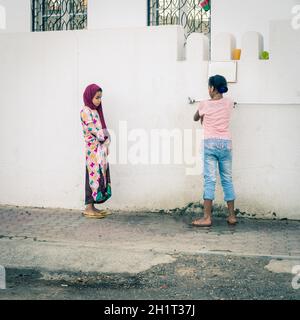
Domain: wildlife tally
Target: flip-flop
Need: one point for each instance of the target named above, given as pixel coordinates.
(93, 216)
(106, 212)
(201, 225)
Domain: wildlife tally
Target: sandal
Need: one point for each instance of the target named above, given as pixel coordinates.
(93, 215)
(106, 212)
(203, 225)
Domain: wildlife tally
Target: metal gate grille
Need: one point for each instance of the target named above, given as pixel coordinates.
(187, 13)
(54, 15)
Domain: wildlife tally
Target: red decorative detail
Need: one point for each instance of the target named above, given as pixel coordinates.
(204, 3)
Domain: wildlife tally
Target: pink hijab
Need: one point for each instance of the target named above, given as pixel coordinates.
(88, 96)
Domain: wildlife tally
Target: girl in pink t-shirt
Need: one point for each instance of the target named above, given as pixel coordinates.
(215, 118)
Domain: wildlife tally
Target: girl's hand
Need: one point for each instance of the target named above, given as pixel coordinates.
(107, 134)
(197, 116)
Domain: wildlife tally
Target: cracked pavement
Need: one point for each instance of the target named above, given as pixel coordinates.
(58, 254)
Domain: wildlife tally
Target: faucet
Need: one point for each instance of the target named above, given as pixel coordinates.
(192, 101)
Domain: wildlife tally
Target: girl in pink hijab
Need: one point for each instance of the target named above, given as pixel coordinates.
(97, 140)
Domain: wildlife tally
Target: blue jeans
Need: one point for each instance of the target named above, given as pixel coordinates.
(218, 151)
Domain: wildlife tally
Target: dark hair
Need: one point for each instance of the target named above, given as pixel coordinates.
(219, 83)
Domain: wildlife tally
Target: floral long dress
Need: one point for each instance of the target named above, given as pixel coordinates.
(97, 184)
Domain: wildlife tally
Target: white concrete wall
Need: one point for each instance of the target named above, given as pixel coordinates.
(2, 18)
(49, 75)
(146, 82)
(117, 14)
(265, 81)
(266, 159)
(18, 15)
(233, 16)
(101, 14)
(238, 17)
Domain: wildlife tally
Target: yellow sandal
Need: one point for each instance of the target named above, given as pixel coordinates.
(95, 215)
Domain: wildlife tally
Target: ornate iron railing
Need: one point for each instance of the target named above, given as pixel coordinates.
(188, 13)
(54, 15)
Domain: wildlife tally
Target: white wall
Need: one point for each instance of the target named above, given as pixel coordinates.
(233, 16)
(271, 81)
(101, 14)
(117, 13)
(49, 75)
(2, 18)
(18, 15)
(240, 16)
(146, 82)
(266, 159)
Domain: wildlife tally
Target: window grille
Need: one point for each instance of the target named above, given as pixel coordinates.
(54, 15)
(188, 13)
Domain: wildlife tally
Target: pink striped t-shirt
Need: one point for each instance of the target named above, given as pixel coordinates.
(216, 119)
